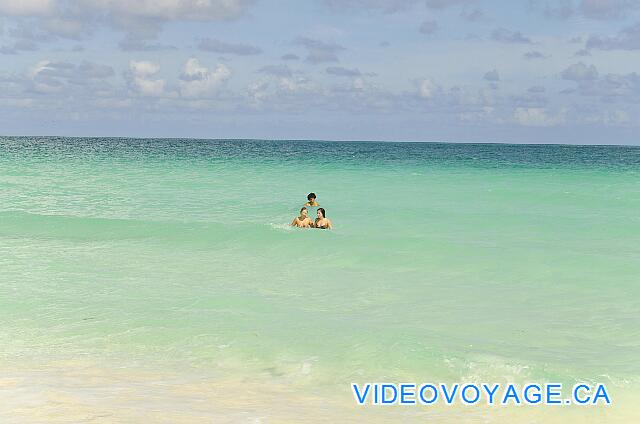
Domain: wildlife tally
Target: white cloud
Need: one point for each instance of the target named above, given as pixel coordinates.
(295, 84)
(618, 117)
(387, 6)
(442, 4)
(26, 7)
(593, 9)
(86, 79)
(343, 72)
(48, 87)
(391, 6)
(39, 80)
(537, 117)
(199, 81)
(610, 87)
(67, 28)
(10, 102)
(492, 75)
(218, 46)
(39, 67)
(607, 9)
(258, 91)
(20, 45)
(144, 68)
(192, 10)
(534, 54)
(320, 51)
(112, 103)
(580, 72)
(429, 27)
(504, 35)
(150, 87)
(427, 89)
(76, 74)
(627, 39)
(140, 19)
(280, 92)
(276, 70)
(141, 72)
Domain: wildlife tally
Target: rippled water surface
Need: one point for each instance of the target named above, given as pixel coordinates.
(447, 261)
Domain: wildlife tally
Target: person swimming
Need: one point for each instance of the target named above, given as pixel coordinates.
(302, 221)
(311, 197)
(322, 222)
(312, 205)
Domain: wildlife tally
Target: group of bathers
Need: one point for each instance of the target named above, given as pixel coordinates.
(304, 221)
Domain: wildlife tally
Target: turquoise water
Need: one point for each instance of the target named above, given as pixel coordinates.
(447, 261)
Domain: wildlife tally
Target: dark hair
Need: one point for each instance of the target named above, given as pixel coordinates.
(311, 196)
(324, 215)
(303, 208)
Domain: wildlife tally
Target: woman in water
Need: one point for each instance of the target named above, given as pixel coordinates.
(302, 221)
(322, 221)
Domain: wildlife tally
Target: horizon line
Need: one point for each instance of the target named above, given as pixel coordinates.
(327, 140)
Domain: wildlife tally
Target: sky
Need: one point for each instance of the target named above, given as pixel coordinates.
(522, 71)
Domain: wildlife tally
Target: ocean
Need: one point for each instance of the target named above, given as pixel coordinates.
(160, 278)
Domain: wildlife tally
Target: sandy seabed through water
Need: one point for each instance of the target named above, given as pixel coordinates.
(83, 391)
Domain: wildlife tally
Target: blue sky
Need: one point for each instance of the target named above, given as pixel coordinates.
(431, 70)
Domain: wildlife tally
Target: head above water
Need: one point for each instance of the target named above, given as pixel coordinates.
(303, 211)
(321, 213)
(311, 197)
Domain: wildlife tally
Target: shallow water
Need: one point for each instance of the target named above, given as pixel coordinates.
(448, 262)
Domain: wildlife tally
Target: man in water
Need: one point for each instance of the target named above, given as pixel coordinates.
(312, 205)
(311, 197)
